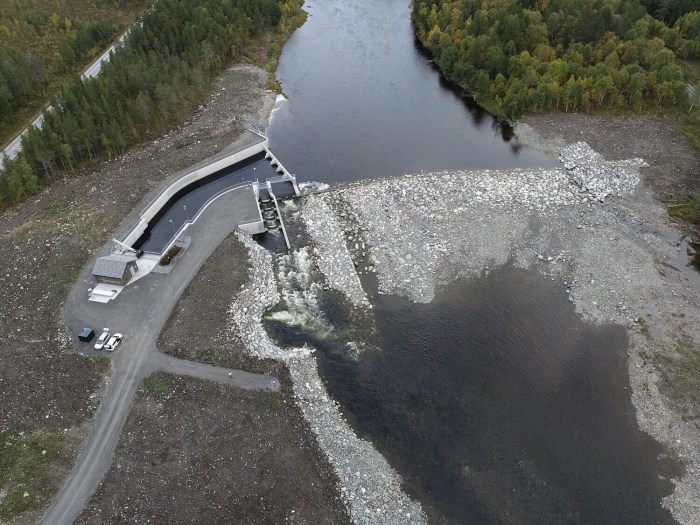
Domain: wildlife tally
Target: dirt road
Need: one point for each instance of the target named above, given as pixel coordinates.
(139, 313)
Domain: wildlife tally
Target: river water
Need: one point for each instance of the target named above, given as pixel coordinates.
(495, 402)
(364, 102)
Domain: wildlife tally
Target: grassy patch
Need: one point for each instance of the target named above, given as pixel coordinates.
(183, 143)
(272, 401)
(23, 462)
(644, 327)
(688, 209)
(679, 370)
(100, 363)
(157, 385)
(691, 131)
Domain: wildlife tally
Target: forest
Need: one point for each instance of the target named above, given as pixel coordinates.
(44, 42)
(150, 84)
(526, 56)
(23, 73)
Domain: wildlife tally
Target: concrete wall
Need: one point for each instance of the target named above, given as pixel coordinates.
(253, 228)
(186, 180)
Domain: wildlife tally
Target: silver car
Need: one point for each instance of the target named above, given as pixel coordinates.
(100, 343)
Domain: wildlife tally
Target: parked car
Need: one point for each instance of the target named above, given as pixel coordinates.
(113, 342)
(100, 343)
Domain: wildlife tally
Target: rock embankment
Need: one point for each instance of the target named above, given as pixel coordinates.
(331, 251)
(596, 176)
(587, 226)
(370, 488)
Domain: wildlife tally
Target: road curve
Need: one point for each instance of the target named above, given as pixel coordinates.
(139, 312)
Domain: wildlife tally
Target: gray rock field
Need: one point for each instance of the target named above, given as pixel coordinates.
(590, 226)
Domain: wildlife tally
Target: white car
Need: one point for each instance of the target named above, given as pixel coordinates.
(113, 342)
(100, 343)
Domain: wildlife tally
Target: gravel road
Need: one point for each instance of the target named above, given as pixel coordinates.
(139, 312)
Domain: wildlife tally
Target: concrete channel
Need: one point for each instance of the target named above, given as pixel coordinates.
(170, 213)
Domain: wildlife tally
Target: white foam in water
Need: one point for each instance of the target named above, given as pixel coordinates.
(309, 187)
(299, 294)
(290, 205)
(279, 101)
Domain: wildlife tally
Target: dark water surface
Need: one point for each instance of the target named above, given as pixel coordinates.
(497, 404)
(364, 102)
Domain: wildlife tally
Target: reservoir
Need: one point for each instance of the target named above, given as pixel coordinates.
(495, 403)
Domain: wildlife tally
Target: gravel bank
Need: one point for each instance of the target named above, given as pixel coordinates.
(673, 163)
(370, 488)
(196, 451)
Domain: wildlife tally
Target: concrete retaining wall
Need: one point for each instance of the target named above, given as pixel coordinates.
(253, 228)
(187, 179)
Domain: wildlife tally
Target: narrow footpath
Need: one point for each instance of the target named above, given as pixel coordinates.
(238, 378)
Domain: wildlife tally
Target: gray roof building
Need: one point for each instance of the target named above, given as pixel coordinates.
(114, 268)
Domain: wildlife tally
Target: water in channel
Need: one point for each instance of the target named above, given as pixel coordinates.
(495, 402)
(185, 204)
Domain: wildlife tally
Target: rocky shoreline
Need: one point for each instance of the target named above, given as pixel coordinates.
(370, 488)
(590, 226)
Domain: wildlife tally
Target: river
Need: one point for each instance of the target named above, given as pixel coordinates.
(496, 403)
(363, 101)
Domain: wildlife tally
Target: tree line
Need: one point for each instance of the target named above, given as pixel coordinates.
(670, 10)
(151, 83)
(520, 56)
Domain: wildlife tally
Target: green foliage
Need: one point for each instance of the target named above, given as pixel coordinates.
(17, 182)
(149, 85)
(688, 209)
(157, 385)
(561, 55)
(22, 78)
(679, 370)
(86, 41)
(22, 459)
(42, 42)
(670, 10)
